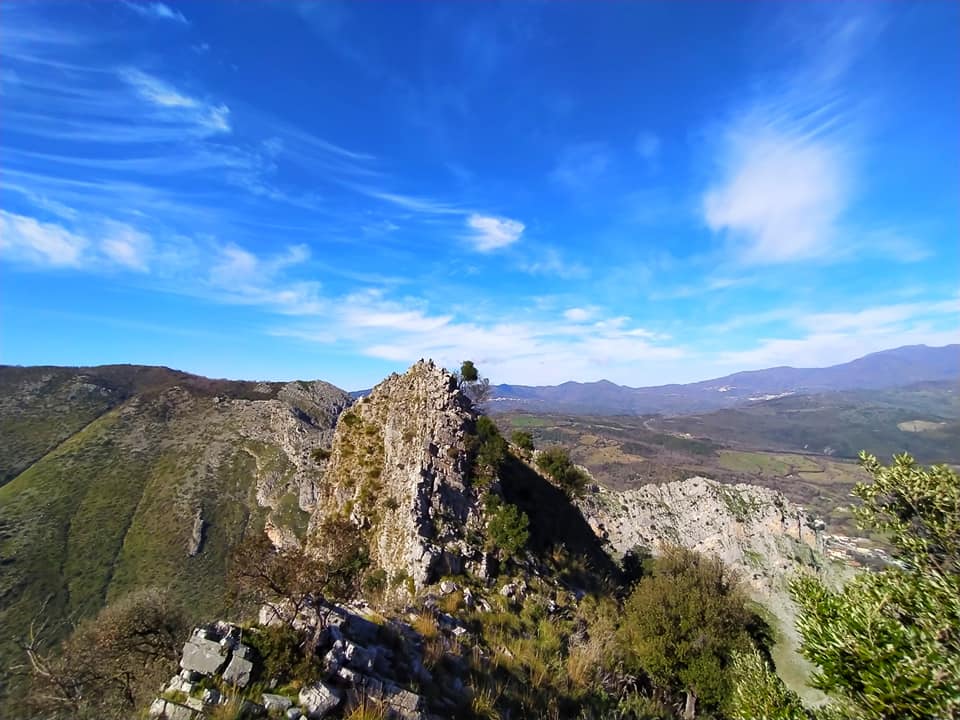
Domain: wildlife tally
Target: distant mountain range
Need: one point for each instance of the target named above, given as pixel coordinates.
(900, 367)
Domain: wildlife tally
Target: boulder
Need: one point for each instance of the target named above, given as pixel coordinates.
(294, 713)
(251, 710)
(238, 672)
(357, 657)
(276, 702)
(447, 587)
(319, 699)
(407, 702)
(203, 656)
(173, 711)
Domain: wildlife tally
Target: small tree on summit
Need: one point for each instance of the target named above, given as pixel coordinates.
(473, 385)
(468, 372)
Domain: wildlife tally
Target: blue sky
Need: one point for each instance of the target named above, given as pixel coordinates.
(643, 192)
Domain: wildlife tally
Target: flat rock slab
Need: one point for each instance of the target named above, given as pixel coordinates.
(166, 710)
(238, 672)
(203, 656)
(276, 702)
(319, 699)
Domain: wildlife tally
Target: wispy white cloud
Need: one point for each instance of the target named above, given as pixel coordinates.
(548, 261)
(126, 246)
(156, 11)
(882, 316)
(579, 314)
(786, 169)
(535, 350)
(781, 195)
(25, 239)
(240, 276)
(647, 146)
(828, 338)
(492, 233)
(213, 118)
(407, 202)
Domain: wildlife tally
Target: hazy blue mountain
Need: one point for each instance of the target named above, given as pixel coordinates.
(899, 367)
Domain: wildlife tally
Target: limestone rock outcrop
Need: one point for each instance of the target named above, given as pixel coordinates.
(754, 529)
(358, 662)
(399, 467)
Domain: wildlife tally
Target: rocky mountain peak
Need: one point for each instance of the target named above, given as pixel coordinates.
(399, 468)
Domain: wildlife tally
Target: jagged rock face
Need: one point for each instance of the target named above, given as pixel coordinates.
(754, 529)
(399, 468)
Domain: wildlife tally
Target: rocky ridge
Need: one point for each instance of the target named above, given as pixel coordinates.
(399, 468)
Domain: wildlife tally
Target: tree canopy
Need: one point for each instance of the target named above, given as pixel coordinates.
(555, 462)
(474, 386)
(332, 570)
(468, 372)
(112, 663)
(888, 644)
(683, 624)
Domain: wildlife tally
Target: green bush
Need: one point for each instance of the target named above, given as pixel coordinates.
(888, 644)
(684, 623)
(556, 463)
(507, 527)
(320, 454)
(523, 440)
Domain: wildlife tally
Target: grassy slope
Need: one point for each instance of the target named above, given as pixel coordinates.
(96, 518)
(30, 428)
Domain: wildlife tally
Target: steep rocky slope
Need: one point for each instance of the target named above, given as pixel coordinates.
(151, 477)
(400, 467)
(124, 477)
(755, 530)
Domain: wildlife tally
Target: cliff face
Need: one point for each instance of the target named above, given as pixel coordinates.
(753, 529)
(399, 468)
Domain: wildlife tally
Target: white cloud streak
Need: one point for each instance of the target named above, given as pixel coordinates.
(828, 338)
(208, 117)
(27, 240)
(157, 11)
(492, 233)
(787, 166)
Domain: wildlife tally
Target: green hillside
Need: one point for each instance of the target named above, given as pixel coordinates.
(148, 489)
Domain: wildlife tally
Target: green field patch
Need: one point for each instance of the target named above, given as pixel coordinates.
(289, 515)
(521, 422)
(755, 463)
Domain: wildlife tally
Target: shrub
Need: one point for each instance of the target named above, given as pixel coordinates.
(320, 454)
(556, 463)
(523, 440)
(507, 527)
(683, 624)
(888, 643)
